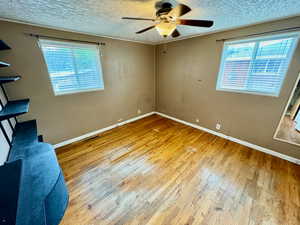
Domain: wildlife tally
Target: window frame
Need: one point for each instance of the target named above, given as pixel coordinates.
(295, 35)
(71, 43)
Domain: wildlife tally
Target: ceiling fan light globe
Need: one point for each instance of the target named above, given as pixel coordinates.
(165, 29)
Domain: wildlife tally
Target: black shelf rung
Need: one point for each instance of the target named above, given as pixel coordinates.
(7, 79)
(4, 64)
(14, 108)
(3, 46)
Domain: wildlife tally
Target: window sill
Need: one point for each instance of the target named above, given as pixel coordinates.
(77, 92)
(248, 92)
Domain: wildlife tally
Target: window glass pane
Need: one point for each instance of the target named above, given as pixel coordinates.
(274, 48)
(256, 66)
(239, 51)
(87, 66)
(274, 65)
(59, 60)
(235, 73)
(259, 65)
(237, 64)
(72, 67)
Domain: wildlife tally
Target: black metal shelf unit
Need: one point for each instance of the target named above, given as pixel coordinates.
(42, 188)
(7, 79)
(4, 46)
(4, 64)
(14, 108)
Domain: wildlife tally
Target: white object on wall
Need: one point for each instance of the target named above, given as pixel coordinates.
(4, 149)
(4, 145)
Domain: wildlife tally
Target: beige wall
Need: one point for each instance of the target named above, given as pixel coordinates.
(180, 83)
(129, 77)
(186, 78)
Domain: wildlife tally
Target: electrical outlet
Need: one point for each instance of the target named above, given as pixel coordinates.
(197, 120)
(218, 126)
(139, 111)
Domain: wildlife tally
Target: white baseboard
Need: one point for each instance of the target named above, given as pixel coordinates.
(93, 133)
(245, 143)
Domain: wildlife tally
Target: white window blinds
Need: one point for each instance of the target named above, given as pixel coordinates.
(73, 67)
(256, 66)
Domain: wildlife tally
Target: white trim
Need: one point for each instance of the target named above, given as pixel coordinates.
(242, 142)
(236, 140)
(93, 133)
(248, 92)
(57, 94)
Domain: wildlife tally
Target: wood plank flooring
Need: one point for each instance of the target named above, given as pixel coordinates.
(158, 172)
(288, 132)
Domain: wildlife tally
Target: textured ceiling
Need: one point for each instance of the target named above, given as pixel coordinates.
(103, 17)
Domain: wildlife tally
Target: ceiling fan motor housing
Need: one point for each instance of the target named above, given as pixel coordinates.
(167, 19)
(164, 8)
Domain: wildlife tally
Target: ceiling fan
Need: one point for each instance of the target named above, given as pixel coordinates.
(167, 19)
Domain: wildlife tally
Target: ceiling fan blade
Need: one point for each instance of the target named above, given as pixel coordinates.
(179, 10)
(196, 23)
(137, 18)
(144, 30)
(175, 33)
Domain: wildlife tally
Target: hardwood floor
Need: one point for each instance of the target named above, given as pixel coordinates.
(157, 171)
(288, 132)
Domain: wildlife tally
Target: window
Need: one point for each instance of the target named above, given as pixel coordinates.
(257, 65)
(73, 67)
